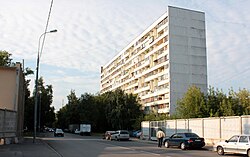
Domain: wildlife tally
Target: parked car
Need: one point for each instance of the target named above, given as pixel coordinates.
(77, 131)
(120, 135)
(58, 132)
(184, 141)
(237, 144)
(134, 134)
(107, 135)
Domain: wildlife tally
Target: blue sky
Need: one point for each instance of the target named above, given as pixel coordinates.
(91, 32)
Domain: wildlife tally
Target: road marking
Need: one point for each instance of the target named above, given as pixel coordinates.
(70, 139)
(142, 151)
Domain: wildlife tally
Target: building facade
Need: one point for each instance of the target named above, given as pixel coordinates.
(11, 102)
(162, 62)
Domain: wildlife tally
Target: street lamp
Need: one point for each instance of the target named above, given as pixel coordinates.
(36, 82)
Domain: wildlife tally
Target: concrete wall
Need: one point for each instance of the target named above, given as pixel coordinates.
(212, 129)
(12, 97)
(187, 52)
(8, 89)
(8, 123)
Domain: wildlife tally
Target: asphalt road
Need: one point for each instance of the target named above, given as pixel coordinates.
(92, 146)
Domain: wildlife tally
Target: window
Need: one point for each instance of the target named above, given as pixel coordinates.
(179, 135)
(243, 139)
(233, 139)
(175, 136)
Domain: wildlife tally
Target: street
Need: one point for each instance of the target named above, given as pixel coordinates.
(94, 146)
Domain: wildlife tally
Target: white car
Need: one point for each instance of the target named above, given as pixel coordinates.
(77, 131)
(237, 144)
(120, 135)
(59, 132)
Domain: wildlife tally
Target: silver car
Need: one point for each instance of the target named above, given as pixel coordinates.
(120, 135)
(237, 144)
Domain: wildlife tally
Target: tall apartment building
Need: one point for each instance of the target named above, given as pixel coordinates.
(162, 62)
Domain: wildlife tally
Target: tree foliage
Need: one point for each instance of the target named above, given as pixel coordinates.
(111, 110)
(192, 104)
(195, 104)
(45, 112)
(5, 58)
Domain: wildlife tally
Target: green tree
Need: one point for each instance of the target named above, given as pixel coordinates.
(192, 105)
(69, 114)
(109, 111)
(244, 100)
(62, 121)
(5, 58)
(122, 109)
(45, 112)
(153, 116)
(29, 102)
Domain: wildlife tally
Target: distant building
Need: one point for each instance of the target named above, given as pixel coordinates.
(162, 62)
(11, 101)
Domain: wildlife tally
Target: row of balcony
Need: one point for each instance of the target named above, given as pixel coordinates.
(158, 39)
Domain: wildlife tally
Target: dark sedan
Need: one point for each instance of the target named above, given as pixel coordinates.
(184, 141)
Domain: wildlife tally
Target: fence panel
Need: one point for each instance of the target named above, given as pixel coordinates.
(8, 123)
(212, 128)
(170, 127)
(245, 121)
(145, 129)
(1, 123)
(196, 126)
(182, 125)
(230, 126)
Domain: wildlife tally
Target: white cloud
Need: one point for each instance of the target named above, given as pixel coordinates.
(91, 32)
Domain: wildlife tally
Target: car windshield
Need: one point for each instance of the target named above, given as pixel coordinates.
(191, 135)
(59, 130)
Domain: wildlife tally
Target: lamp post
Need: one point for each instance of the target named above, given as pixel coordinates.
(36, 82)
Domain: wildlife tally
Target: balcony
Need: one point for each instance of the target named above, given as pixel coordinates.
(163, 110)
(132, 85)
(139, 90)
(162, 27)
(162, 82)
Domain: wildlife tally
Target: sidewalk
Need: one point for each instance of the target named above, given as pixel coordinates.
(27, 149)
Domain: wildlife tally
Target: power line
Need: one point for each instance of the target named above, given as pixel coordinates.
(51, 4)
(235, 75)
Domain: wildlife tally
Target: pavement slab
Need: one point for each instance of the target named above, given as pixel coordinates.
(27, 149)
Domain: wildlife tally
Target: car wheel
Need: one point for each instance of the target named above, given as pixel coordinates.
(248, 152)
(166, 144)
(183, 146)
(220, 151)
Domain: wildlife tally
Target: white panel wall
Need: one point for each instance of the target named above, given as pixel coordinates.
(195, 125)
(230, 126)
(145, 129)
(187, 52)
(182, 126)
(212, 127)
(170, 127)
(246, 125)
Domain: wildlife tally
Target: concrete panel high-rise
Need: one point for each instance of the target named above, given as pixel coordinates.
(162, 62)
